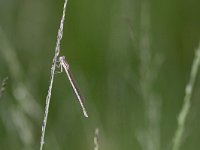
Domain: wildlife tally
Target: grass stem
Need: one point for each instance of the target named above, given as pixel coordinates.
(187, 102)
(48, 98)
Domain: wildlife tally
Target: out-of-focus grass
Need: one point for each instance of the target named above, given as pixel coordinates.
(108, 59)
(3, 86)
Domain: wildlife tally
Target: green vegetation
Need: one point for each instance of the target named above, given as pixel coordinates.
(135, 63)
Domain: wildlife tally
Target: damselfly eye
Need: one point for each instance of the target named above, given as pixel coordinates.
(61, 58)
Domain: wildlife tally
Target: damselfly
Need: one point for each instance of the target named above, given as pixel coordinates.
(65, 65)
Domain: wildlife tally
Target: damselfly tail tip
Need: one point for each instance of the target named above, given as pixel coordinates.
(85, 114)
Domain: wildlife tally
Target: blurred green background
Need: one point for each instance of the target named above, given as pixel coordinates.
(131, 59)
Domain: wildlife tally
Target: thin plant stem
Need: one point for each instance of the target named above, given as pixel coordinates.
(187, 102)
(48, 98)
(3, 86)
(96, 139)
(150, 137)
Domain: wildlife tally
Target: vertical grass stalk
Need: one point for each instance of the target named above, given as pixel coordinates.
(149, 69)
(48, 98)
(187, 102)
(3, 86)
(96, 139)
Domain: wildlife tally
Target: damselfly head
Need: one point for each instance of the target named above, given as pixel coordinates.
(61, 58)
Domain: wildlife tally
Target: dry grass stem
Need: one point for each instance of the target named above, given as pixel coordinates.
(48, 98)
